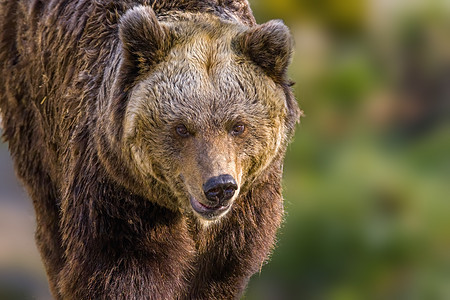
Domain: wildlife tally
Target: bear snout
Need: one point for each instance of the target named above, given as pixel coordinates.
(220, 189)
(218, 194)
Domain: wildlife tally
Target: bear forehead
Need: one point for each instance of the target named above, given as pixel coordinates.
(204, 75)
(192, 85)
(203, 39)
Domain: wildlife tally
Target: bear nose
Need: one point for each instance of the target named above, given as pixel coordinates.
(220, 189)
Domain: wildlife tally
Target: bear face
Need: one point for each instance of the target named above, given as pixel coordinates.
(209, 116)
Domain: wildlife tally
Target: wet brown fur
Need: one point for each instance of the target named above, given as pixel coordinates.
(90, 92)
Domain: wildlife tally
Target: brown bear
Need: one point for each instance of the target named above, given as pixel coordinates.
(150, 136)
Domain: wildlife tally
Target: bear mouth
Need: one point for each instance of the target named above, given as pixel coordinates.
(208, 212)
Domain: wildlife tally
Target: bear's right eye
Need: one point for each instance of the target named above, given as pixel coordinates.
(182, 130)
(238, 129)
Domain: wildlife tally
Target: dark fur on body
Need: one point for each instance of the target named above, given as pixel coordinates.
(67, 72)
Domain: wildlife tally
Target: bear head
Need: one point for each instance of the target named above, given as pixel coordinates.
(208, 107)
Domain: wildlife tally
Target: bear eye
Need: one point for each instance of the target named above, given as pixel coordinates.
(238, 129)
(182, 130)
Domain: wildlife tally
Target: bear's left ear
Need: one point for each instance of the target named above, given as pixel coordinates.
(145, 41)
(269, 45)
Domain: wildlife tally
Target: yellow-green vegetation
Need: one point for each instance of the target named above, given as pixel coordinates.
(367, 179)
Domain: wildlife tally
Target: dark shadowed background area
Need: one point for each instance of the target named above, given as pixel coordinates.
(367, 179)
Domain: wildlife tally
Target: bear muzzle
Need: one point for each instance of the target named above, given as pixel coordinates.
(219, 192)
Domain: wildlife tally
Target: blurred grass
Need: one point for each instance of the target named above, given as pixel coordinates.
(367, 179)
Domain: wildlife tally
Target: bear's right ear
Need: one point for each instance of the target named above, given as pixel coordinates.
(144, 40)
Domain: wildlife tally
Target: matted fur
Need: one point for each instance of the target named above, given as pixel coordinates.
(90, 92)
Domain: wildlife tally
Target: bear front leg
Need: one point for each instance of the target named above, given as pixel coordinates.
(120, 246)
(47, 235)
(132, 276)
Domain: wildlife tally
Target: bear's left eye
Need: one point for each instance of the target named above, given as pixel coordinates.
(238, 129)
(182, 130)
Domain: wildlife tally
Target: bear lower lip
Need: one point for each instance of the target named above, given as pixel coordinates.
(205, 210)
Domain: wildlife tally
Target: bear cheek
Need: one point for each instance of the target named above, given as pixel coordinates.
(260, 151)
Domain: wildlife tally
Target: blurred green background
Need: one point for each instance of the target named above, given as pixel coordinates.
(367, 178)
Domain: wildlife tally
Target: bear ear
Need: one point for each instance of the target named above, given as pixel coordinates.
(270, 46)
(144, 40)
